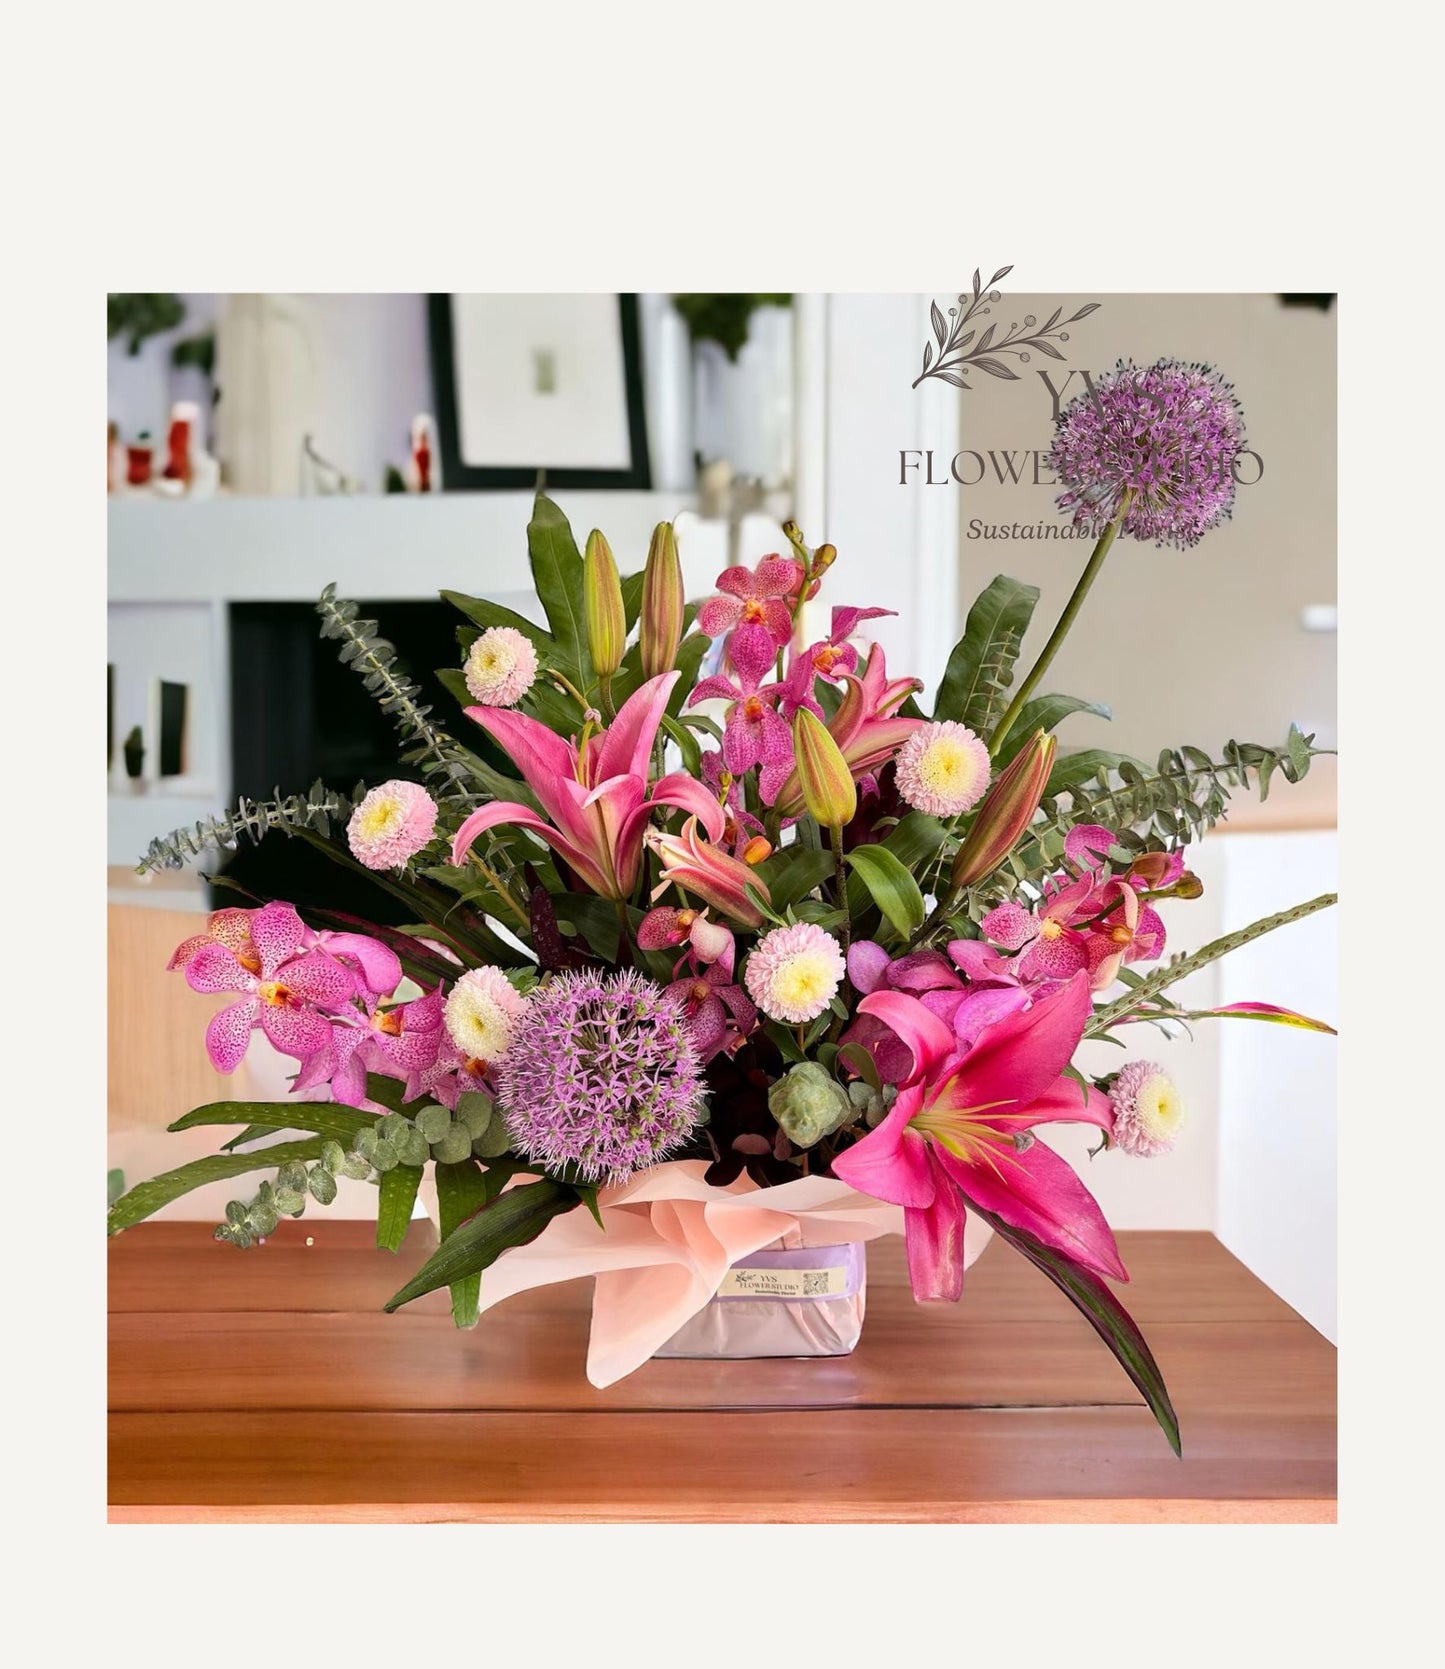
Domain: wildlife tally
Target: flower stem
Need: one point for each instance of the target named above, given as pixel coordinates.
(1061, 631)
(836, 835)
(494, 882)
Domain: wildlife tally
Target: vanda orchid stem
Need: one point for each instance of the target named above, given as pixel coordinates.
(1065, 625)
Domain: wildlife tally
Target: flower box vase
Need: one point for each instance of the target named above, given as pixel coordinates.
(804, 1301)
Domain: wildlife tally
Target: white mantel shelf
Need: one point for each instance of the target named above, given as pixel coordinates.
(377, 546)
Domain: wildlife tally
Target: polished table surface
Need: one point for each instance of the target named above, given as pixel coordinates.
(266, 1385)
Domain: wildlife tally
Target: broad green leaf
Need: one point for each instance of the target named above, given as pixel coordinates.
(462, 1192)
(892, 888)
(1045, 712)
(487, 614)
(793, 872)
(323, 1118)
(687, 745)
(557, 573)
(1072, 770)
(1104, 1313)
(146, 1198)
(398, 1196)
(512, 1219)
(980, 669)
(914, 841)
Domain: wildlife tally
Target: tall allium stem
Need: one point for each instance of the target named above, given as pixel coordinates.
(1066, 621)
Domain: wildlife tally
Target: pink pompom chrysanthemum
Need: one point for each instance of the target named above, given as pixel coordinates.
(1148, 1113)
(795, 972)
(943, 769)
(481, 1012)
(603, 1074)
(391, 825)
(501, 666)
(1168, 434)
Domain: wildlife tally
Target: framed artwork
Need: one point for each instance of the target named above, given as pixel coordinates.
(531, 384)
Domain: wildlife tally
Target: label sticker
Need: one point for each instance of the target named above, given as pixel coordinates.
(784, 1283)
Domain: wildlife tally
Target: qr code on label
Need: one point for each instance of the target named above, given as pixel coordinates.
(815, 1281)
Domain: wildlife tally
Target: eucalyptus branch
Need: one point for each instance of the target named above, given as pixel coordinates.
(313, 812)
(1180, 967)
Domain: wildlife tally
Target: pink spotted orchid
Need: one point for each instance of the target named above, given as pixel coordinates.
(867, 727)
(962, 1126)
(756, 609)
(739, 825)
(288, 991)
(400, 1041)
(832, 659)
(596, 797)
(754, 734)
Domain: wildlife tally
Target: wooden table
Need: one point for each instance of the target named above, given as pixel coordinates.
(265, 1385)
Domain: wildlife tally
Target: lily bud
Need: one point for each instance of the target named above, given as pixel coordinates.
(1007, 811)
(660, 627)
(602, 606)
(827, 785)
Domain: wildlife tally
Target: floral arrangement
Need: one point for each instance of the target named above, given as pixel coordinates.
(735, 906)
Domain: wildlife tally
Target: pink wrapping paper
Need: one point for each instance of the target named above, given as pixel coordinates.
(668, 1242)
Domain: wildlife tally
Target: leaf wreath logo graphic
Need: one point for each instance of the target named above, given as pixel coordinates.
(958, 346)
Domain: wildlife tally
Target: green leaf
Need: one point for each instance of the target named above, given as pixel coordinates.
(1072, 770)
(793, 872)
(398, 1196)
(146, 1198)
(980, 669)
(462, 1191)
(488, 614)
(557, 573)
(512, 1219)
(1045, 712)
(914, 841)
(324, 1118)
(114, 1186)
(687, 745)
(1104, 1313)
(893, 889)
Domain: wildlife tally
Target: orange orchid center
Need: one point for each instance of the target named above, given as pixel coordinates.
(753, 709)
(824, 660)
(474, 1068)
(273, 993)
(683, 920)
(1121, 935)
(754, 613)
(1050, 929)
(390, 1022)
(249, 960)
(700, 992)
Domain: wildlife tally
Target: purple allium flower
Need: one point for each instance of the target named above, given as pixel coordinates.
(601, 1073)
(1170, 431)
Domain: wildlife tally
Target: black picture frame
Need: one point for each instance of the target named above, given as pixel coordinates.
(458, 476)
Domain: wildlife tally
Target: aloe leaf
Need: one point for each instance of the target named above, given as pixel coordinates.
(512, 1219)
(980, 669)
(393, 1214)
(146, 1198)
(462, 1191)
(322, 1118)
(1104, 1313)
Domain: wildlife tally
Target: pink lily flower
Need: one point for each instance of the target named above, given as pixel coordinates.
(963, 1121)
(704, 869)
(598, 799)
(753, 734)
(830, 659)
(284, 993)
(755, 607)
(866, 727)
